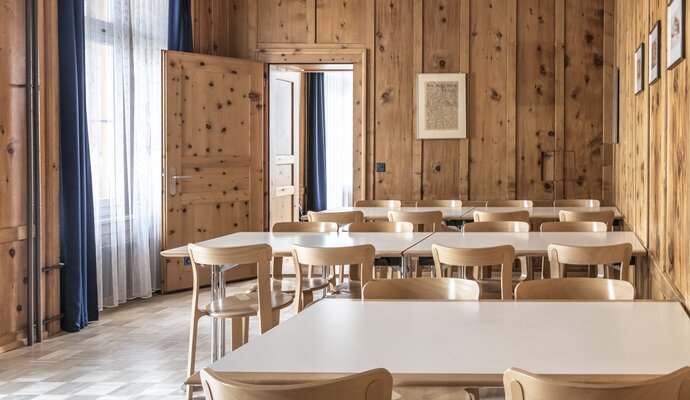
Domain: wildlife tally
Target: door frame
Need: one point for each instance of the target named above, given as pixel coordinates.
(358, 59)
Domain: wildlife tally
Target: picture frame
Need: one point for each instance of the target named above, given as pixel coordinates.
(654, 56)
(675, 33)
(639, 69)
(615, 114)
(442, 106)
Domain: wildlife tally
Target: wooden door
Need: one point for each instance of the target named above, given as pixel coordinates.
(213, 154)
(284, 128)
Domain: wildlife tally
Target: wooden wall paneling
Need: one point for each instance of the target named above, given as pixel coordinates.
(394, 81)
(488, 159)
(339, 21)
(641, 154)
(286, 21)
(536, 99)
(370, 29)
(584, 65)
(221, 27)
(443, 43)
(418, 65)
(49, 163)
(559, 104)
(511, 94)
(609, 62)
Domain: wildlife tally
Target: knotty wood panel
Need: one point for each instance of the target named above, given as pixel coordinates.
(535, 99)
(286, 21)
(340, 21)
(220, 27)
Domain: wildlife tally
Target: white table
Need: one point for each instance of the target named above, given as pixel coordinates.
(468, 343)
(386, 245)
(544, 212)
(381, 213)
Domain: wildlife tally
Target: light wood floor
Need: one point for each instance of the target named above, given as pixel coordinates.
(134, 352)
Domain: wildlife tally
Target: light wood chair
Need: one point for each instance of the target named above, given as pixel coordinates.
(376, 384)
(264, 302)
(588, 216)
(499, 255)
(523, 385)
(576, 203)
(575, 289)
(422, 289)
(439, 203)
(423, 221)
(496, 226)
(310, 284)
(381, 226)
(341, 217)
(560, 255)
(360, 259)
(378, 203)
(510, 203)
(573, 226)
(485, 216)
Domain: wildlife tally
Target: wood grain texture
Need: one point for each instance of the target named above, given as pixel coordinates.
(339, 21)
(286, 21)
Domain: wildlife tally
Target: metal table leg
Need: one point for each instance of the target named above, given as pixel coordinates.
(218, 324)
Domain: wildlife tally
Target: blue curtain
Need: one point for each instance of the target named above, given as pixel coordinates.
(316, 144)
(79, 293)
(179, 25)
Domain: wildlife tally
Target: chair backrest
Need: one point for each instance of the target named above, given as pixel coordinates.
(496, 226)
(523, 385)
(484, 216)
(305, 227)
(478, 257)
(360, 258)
(575, 289)
(341, 217)
(605, 216)
(259, 254)
(559, 255)
(576, 203)
(381, 226)
(422, 289)
(510, 203)
(572, 226)
(376, 384)
(439, 203)
(423, 221)
(378, 203)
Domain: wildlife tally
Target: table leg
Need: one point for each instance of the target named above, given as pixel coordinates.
(221, 321)
(404, 263)
(214, 321)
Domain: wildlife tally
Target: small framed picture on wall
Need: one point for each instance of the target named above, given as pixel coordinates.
(639, 68)
(654, 56)
(675, 33)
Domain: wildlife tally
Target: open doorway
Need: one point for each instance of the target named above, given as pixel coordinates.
(310, 133)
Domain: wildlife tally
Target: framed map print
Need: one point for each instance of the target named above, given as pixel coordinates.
(675, 32)
(639, 69)
(654, 57)
(441, 106)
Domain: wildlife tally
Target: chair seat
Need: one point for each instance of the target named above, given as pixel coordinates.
(287, 285)
(244, 305)
(347, 290)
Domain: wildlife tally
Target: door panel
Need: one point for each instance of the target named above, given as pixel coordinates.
(284, 123)
(213, 159)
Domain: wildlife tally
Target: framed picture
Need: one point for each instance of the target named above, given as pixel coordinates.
(639, 68)
(616, 107)
(441, 106)
(675, 32)
(654, 56)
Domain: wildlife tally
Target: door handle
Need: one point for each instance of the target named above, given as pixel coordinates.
(181, 176)
(172, 186)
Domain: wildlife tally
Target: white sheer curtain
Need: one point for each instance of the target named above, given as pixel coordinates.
(124, 39)
(339, 128)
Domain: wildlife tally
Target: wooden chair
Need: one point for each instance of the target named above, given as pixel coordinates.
(422, 289)
(360, 259)
(390, 263)
(496, 226)
(510, 203)
(575, 289)
(378, 203)
(560, 255)
(587, 216)
(576, 203)
(573, 226)
(485, 216)
(341, 218)
(263, 302)
(376, 384)
(523, 385)
(310, 283)
(423, 221)
(439, 203)
(499, 255)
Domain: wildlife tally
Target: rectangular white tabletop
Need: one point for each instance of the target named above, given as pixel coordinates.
(381, 213)
(544, 212)
(386, 244)
(527, 244)
(468, 343)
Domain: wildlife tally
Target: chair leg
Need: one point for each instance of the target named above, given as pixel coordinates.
(193, 327)
(237, 333)
(276, 318)
(245, 330)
